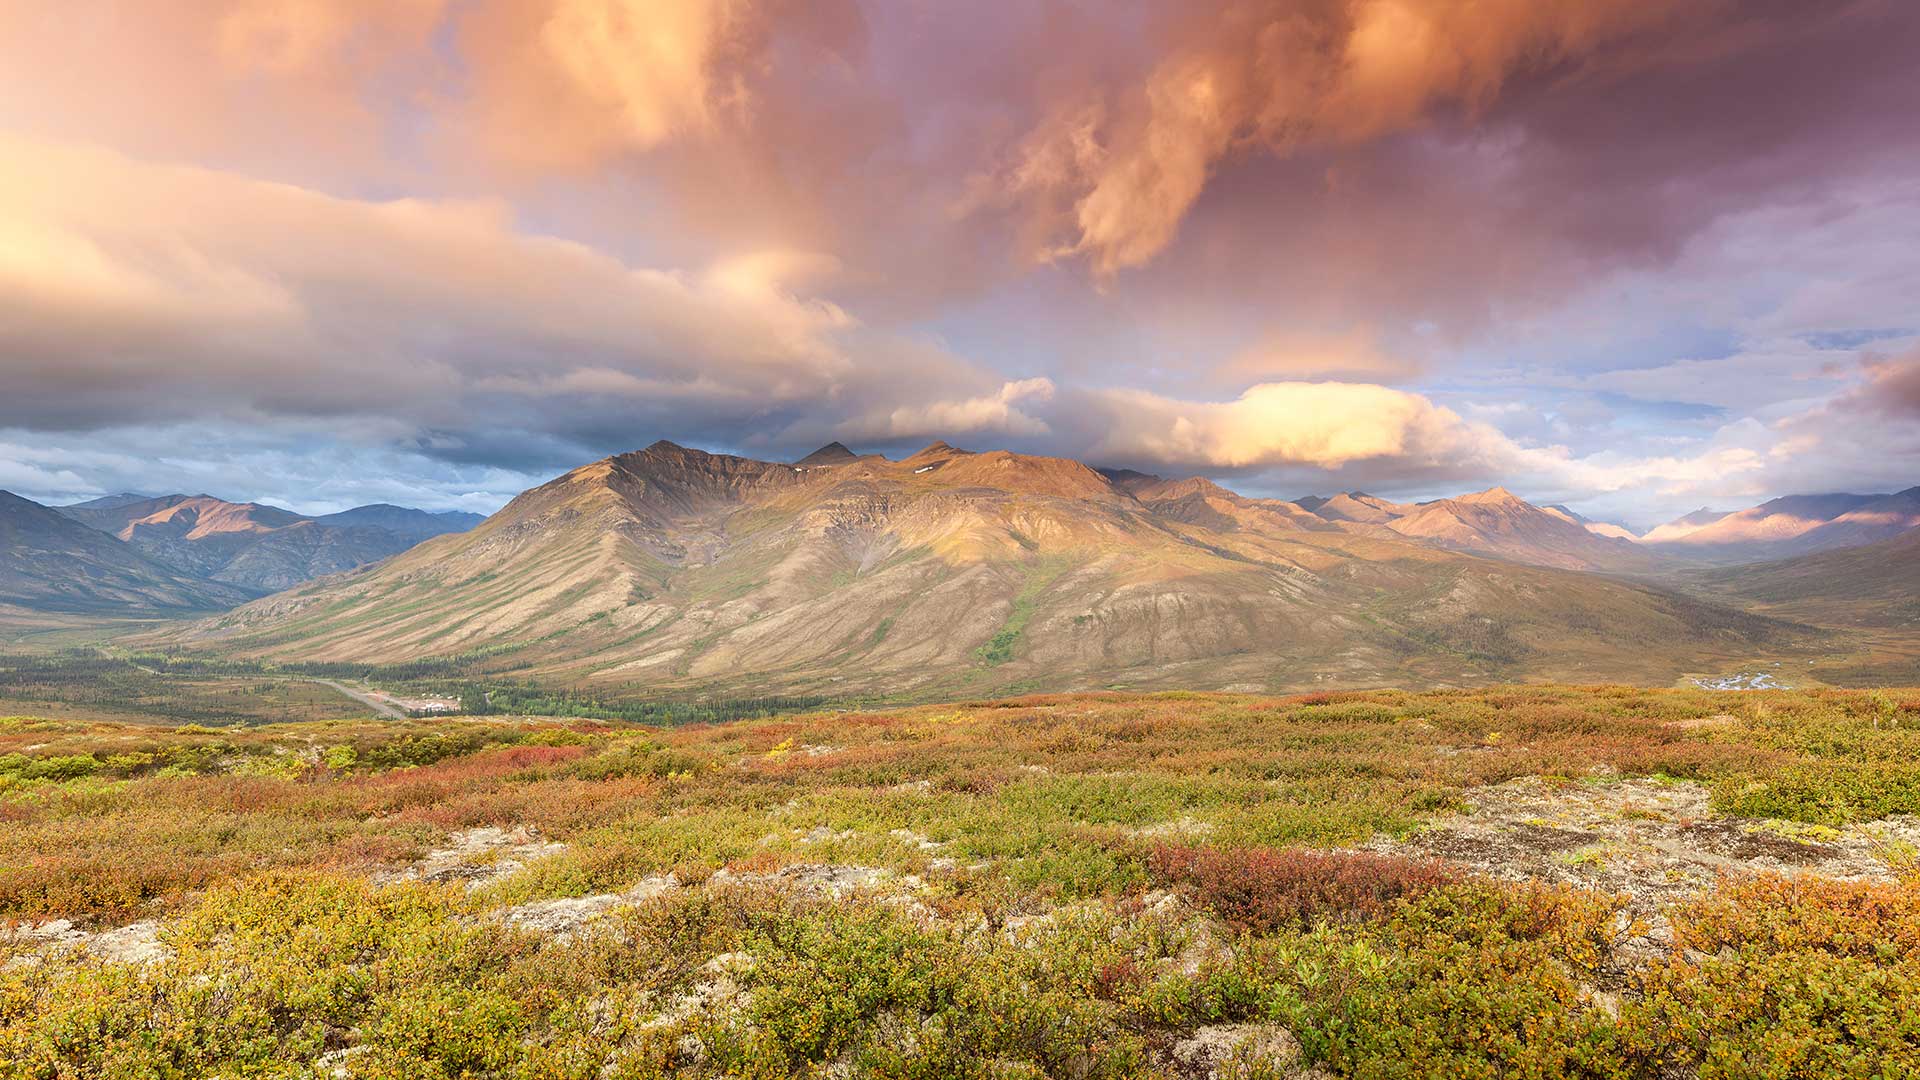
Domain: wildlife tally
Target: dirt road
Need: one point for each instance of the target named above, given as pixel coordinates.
(373, 703)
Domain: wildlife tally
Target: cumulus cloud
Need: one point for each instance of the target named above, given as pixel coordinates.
(1325, 425)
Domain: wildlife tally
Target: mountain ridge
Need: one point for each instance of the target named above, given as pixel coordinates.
(949, 572)
(256, 547)
(1788, 526)
(51, 563)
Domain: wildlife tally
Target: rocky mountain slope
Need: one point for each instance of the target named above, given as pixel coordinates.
(259, 548)
(49, 563)
(951, 572)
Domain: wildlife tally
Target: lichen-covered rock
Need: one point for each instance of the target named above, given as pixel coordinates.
(1209, 1052)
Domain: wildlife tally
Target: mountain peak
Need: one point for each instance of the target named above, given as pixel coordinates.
(1492, 496)
(834, 453)
(939, 448)
(109, 502)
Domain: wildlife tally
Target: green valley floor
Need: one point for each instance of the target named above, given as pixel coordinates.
(1534, 882)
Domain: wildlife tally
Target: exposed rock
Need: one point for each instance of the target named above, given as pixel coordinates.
(1649, 840)
(135, 943)
(480, 856)
(567, 915)
(1209, 1052)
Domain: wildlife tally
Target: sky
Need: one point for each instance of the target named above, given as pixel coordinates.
(1632, 256)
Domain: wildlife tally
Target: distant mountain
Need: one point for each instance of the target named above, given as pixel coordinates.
(1494, 522)
(403, 520)
(50, 563)
(108, 502)
(1356, 506)
(1794, 525)
(1598, 528)
(257, 547)
(831, 454)
(1683, 525)
(950, 572)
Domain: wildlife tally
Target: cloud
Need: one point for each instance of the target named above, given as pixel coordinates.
(572, 82)
(996, 414)
(251, 299)
(1282, 76)
(1326, 425)
(515, 233)
(1892, 387)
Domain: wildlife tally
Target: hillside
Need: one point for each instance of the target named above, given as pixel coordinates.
(49, 563)
(1870, 585)
(958, 572)
(260, 548)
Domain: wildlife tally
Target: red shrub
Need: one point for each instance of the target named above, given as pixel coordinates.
(1269, 889)
(530, 756)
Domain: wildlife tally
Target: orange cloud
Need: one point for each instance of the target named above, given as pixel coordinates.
(565, 83)
(1127, 162)
(1322, 424)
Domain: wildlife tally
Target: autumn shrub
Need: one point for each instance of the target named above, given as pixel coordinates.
(1266, 889)
(1823, 792)
(1778, 977)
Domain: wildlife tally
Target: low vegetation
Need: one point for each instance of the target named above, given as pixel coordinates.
(1069, 885)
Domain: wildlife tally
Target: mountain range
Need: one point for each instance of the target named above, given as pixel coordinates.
(51, 563)
(950, 572)
(1785, 527)
(259, 548)
(139, 556)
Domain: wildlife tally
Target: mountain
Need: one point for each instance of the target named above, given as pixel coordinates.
(1885, 517)
(403, 520)
(1494, 522)
(950, 572)
(1683, 525)
(1356, 506)
(107, 502)
(1198, 501)
(831, 454)
(1497, 522)
(255, 547)
(1794, 525)
(49, 563)
(1598, 528)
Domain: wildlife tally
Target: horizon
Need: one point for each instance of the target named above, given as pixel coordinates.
(1628, 256)
(324, 509)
